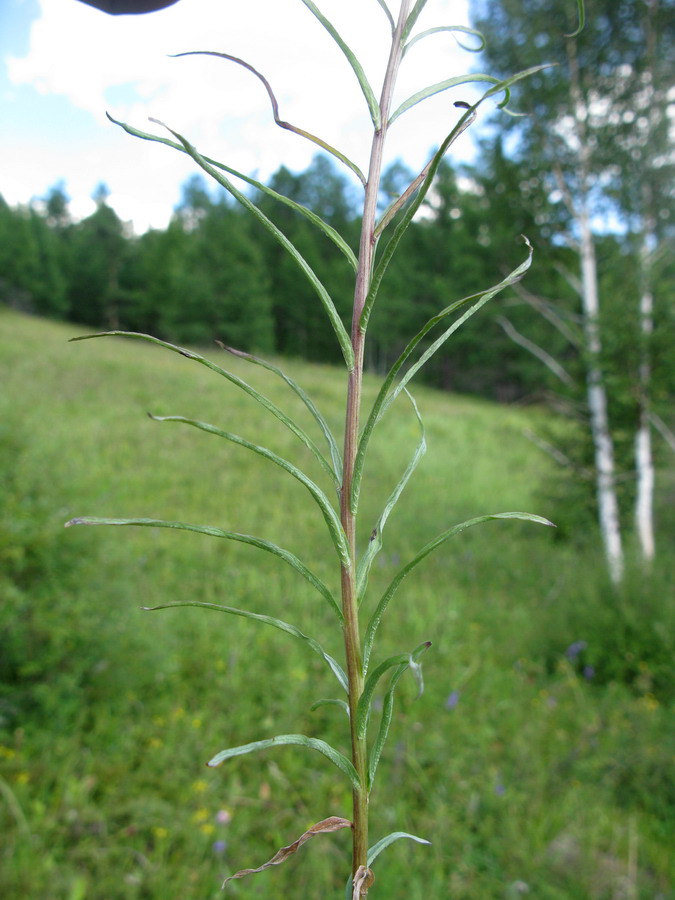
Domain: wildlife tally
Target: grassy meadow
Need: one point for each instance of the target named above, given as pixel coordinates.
(538, 760)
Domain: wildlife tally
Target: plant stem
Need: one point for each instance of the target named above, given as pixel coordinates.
(352, 637)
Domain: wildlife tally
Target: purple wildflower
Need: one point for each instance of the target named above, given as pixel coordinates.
(589, 672)
(575, 649)
(453, 700)
(219, 846)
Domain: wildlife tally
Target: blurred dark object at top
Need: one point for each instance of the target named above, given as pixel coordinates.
(129, 7)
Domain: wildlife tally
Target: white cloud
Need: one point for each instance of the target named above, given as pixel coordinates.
(100, 62)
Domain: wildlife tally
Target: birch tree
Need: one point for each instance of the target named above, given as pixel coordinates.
(595, 140)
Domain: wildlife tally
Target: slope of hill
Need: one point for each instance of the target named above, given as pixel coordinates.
(536, 760)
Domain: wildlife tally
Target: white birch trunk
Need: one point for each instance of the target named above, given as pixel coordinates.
(644, 464)
(608, 507)
(603, 445)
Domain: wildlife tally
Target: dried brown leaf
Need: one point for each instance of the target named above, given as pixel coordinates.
(362, 881)
(332, 823)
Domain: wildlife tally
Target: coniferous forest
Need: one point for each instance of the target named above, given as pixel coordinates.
(214, 275)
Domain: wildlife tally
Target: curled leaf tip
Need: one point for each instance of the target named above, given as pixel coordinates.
(73, 522)
(581, 20)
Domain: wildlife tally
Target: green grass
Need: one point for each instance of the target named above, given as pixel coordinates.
(532, 775)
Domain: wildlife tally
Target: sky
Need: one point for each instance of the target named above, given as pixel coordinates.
(63, 65)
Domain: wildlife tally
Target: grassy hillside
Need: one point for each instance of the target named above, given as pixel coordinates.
(537, 759)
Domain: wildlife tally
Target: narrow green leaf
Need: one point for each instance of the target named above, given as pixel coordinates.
(388, 14)
(377, 848)
(260, 543)
(424, 552)
(368, 93)
(375, 542)
(301, 740)
(581, 18)
(366, 698)
(308, 214)
(452, 29)
(386, 396)
(387, 712)
(291, 249)
(334, 666)
(331, 517)
(510, 279)
(335, 474)
(336, 457)
(498, 87)
(412, 19)
(440, 86)
(385, 722)
(330, 702)
(382, 844)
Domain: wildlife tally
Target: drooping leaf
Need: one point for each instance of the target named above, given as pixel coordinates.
(387, 712)
(260, 543)
(330, 702)
(234, 379)
(330, 516)
(368, 93)
(275, 110)
(375, 542)
(291, 249)
(423, 553)
(323, 226)
(325, 826)
(452, 29)
(334, 666)
(301, 740)
(387, 395)
(336, 457)
(366, 698)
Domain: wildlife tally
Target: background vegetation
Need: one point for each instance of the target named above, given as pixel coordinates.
(536, 760)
